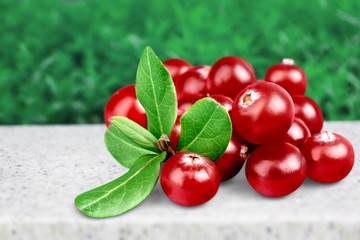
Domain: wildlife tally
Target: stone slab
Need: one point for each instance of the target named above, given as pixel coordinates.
(43, 168)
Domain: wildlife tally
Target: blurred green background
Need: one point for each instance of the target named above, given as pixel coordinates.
(61, 60)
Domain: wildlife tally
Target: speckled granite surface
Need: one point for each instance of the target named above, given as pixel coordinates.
(42, 169)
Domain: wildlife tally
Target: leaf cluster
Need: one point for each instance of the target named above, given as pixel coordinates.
(205, 129)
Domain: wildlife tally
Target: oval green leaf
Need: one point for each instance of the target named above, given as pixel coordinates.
(127, 141)
(205, 129)
(156, 92)
(123, 193)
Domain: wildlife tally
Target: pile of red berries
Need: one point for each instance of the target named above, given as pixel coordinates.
(277, 130)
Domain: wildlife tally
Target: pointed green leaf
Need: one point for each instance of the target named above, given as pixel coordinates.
(123, 193)
(205, 129)
(127, 141)
(156, 92)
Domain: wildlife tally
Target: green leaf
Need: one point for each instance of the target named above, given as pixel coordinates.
(123, 193)
(205, 129)
(156, 92)
(127, 141)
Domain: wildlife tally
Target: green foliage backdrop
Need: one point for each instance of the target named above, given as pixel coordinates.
(61, 60)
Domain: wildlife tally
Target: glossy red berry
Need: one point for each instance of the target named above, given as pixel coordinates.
(229, 75)
(175, 134)
(288, 75)
(231, 162)
(329, 157)
(276, 169)
(189, 179)
(309, 111)
(297, 133)
(124, 103)
(262, 112)
(224, 101)
(192, 82)
(186, 101)
(176, 67)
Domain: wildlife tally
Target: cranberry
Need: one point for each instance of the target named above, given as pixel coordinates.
(124, 103)
(289, 76)
(251, 146)
(309, 111)
(248, 66)
(175, 134)
(297, 133)
(231, 162)
(229, 75)
(276, 169)
(262, 112)
(189, 179)
(329, 157)
(176, 67)
(186, 101)
(192, 82)
(224, 101)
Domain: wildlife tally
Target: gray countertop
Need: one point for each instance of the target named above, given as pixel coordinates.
(43, 168)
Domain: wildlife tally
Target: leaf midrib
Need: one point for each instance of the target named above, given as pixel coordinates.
(136, 133)
(197, 136)
(131, 144)
(153, 90)
(120, 185)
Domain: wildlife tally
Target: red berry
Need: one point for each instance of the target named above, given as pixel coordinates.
(288, 75)
(251, 146)
(224, 101)
(229, 75)
(297, 133)
(231, 162)
(329, 157)
(192, 82)
(276, 169)
(187, 100)
(124, 103)
(262, 112)
(189, 179)
(176, 67)
(309, 111)
(175, 134)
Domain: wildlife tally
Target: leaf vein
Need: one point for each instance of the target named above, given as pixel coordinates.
(204, 127)
(120, 185)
